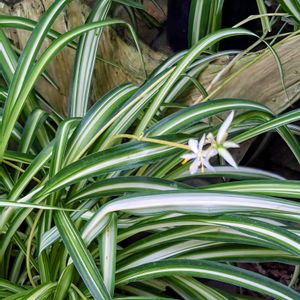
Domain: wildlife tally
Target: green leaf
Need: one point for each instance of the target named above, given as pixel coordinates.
(198, 20)
(123, 157)
(96, 118)
(41, 292)
(241, 253)
(108, 252)
(281, 238)
(25, 64)
(209, 270)
(36, 70)
(85, 61)
(276, 188)
(202, 203)
(187, 117)
(81, 257)
(224, 171)
(130, 3)
(292, 7)
(132, 109)
(191, 55)
(265, 22)
(190, 289)
(119, 186)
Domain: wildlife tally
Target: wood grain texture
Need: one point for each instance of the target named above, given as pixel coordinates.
(60, 68)
(258, 77)
(112, 48)
(260, 81)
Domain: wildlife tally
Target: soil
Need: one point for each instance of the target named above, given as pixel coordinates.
(279, 272)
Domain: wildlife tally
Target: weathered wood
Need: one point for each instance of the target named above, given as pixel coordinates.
(112, 48)
(260, 81)
(60, 68)
(258, 77)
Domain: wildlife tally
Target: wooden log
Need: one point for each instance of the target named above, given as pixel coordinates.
(257, 77)
(60, 68)
(112, 48)
(258, 81)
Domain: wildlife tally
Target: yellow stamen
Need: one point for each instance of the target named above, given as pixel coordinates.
(184, 161)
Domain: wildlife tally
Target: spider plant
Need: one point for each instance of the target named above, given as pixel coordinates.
(206, 16)
(97, 205)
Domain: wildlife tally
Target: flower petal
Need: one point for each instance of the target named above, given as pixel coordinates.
(194, 167)
(207, 165)
(209, 153)
(193, 144)
(201, 143)
(227, 156)
(210, 139)
(229, 144)
(189, 156)
(222, 133)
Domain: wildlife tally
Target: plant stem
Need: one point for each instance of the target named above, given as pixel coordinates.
(151, 140)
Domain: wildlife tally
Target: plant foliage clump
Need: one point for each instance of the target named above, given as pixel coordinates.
(97, 204)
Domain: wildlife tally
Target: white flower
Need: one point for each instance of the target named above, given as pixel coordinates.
(214, 146)
(220, 145)
(201, 157)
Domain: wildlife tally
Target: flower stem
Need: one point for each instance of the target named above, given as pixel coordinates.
(151, 140)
